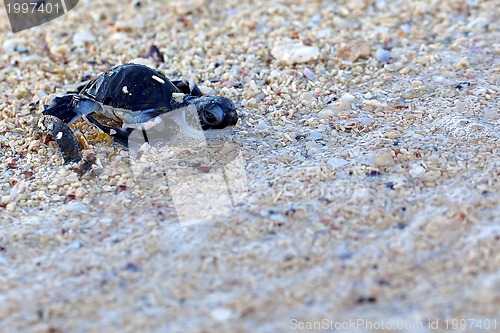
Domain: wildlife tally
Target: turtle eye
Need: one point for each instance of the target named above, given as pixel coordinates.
(212, 117)
(209, 118)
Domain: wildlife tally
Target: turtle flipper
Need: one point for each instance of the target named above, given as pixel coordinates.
(64, 137)
(187, 88)
(69, 108)
(64, 110)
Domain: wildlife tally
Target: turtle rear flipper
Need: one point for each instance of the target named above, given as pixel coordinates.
(188, 88)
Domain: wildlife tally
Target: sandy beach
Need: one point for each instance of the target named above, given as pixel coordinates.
(368, 139)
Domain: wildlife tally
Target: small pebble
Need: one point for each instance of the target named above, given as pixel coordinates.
(261, 125)
(406, 28)
(384, 159)
(186, 7)
(417, 171)
(289, 53)
(207, 91)
(17, 189)
(326, 113)
(315, 135)
(75, 206)
(83, 36)
(22, 49)
(14, 44)
(336, 162)
(479, 92)
(366, 121)
(221, 314)
(308, 74)
(383, 55)
(5, 199)
(129, 24)
(461, 64)
(307, 96)
(358, 49)
(345, 102)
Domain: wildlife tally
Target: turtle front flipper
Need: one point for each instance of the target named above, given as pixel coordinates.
(64, 137)
(69, 108)
(58, 114)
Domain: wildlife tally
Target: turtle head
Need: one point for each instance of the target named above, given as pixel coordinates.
(215, 112)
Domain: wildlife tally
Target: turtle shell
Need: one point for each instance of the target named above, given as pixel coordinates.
(132, 87)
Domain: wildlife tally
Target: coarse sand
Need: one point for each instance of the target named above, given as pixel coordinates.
(369, 131)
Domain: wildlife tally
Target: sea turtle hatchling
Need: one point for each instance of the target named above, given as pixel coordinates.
(132, 94)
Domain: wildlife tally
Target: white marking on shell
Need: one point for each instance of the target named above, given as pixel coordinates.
(59, 135)
(159, 79)
(125, 89)
(179, 97)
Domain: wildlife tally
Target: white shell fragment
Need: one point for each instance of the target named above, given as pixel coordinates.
(384, 159)
(354, 50)
(13, 44)
(130, 23)
(336, 162)
(76, 207)
(17, 189)
(83, 36)
(309, 74)
(289, 53)
(221, 314)
(207, 91)
(383, 55)
(416, 171)
(326, 113)
(185, 7)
